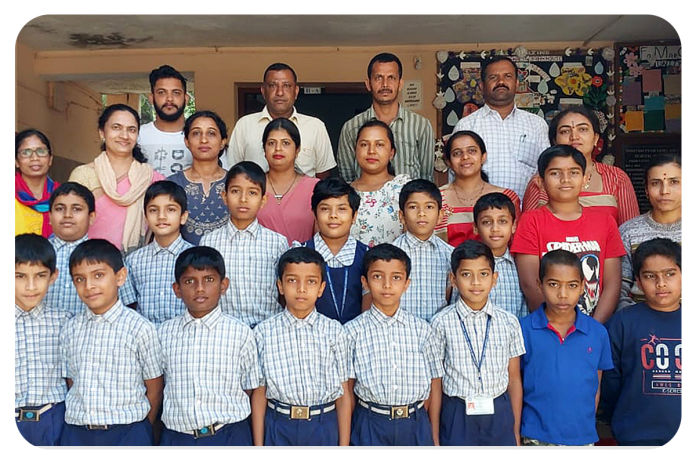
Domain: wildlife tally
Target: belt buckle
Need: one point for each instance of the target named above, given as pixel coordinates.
(29, 415)
(207, 431)
(399, 412)
(97, 427)
(299, 412)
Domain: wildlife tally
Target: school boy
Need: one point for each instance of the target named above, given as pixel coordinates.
(304, 399)
(39, 385)
(642, 394)
(392, 360)
(209, 358)
(494, 222)
(564, 224)
(335, 205)
(480, 344)
(150, 277)
(250, 250)
(112, 354)
(420, 205)
(566, 352)
(71, 212)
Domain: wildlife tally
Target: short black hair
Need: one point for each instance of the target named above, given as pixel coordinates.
(279, 67)
(582, 110)
(300, 255)
(35, 249)
(471, 249)
(390, 136)
(661, 160)
(251, 170)
(334, 187)
(199, 258)
(385, 252)
(560, 151)
(497, 200)
(163, 72)
(498, 59)
(419, 186)
(282, 124)
(166, 187)
(96, 250)
(656, 247)
(559, 257)
(76, 188)
(25, 134)
(384, 58)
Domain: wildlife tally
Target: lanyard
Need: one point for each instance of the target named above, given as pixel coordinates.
(477, 362)
(339, 311)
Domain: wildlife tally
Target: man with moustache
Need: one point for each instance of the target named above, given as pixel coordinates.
(162, 140)
(514, 138)
(413, 134)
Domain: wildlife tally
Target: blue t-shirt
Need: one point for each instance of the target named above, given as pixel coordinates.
(559, 378)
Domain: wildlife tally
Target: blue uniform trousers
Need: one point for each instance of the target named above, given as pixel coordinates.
(374, 429)
(47, 430)
(135, 434)
(458, 429)
(235, 434)
(320, 430)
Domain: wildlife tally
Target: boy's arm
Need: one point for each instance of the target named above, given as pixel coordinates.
(69, 383)
(434, 405)
(153, 391)
(258, 412)
(351, 388)
(599, 384)
(611, 286)
(528, 272)
(344, 411)
(515, 391)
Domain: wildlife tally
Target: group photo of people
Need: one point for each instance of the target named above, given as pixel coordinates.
(199, 284)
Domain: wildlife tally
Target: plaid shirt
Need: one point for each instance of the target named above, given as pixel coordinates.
(430, 266)
(208, 363)
(150, 278)
(344, 257)
(250, 256)
(393, 359)
(303, 361)
(62, 294)
(507, 293)
(108, 357)
(39, 372)
(504, 342)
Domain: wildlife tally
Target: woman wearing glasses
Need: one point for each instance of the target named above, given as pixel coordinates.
(33, 187)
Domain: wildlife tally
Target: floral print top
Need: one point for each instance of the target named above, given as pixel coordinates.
(378, 216)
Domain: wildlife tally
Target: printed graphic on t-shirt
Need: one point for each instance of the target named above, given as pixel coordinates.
(169, 161)
(661, 361)
(588, 251)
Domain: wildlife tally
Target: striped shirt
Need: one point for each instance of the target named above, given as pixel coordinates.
(150, 279)
(430, 266)
(393, 359)
(108, 357)
(39, 372)
(513, 144)
(62, 293)
(507, 293)
(208, 363)
(413, 136)
(504, 342)
(303, 361)
(250, 257)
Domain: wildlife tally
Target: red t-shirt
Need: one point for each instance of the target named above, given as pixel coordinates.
(593, 237)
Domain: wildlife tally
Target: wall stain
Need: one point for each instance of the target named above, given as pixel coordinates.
(113, 40)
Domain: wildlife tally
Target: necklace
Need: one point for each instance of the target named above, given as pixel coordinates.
(279, 196)
(468, 201)
(589, 178)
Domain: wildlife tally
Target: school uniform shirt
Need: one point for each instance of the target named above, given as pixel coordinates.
(504, 342)
(430, 266)
(208, 363)
(250, 257)
(507, 293)
(303, 361)
(593, 237)
(62, 294)
(559, 378)
(39, 371)
(393, 359)
(108, 357)
(150, 278)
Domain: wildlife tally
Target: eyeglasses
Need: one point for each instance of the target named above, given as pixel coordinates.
(41, 152)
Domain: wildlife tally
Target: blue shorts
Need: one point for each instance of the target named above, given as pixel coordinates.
(135, 434)
(374, 429)
(320, 430)
(235, 434)
(458, 429)
(47, 430)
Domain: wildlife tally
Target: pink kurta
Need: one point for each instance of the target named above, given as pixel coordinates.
(293, 217)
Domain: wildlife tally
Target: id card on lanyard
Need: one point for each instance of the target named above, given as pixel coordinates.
(339, 310)
(478, 405)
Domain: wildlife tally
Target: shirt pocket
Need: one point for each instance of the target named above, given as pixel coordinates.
(526, 153)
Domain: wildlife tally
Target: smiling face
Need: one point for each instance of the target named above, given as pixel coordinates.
(169, 98)
(661, 281)
(663, 188)
(335, 217)
(373, 150)
(280, 150)
(243, 199)
(164, 217)
(200, 289)
(384, 83)
(563, 179)
(120, 133)
(466, 158)
(474, 279)
(562, 287)
(31, 284)
(386, 281)
(301, 285)
(420, 215)
(70, 217)
(495, 226)
(576, 130)
(97, 284)
(33, 166)
(279, 90)
(205, 140)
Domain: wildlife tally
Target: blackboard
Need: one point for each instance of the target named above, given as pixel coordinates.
(636, 158)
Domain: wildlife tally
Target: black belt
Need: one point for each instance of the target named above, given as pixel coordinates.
(300, 412)
(394, 412)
